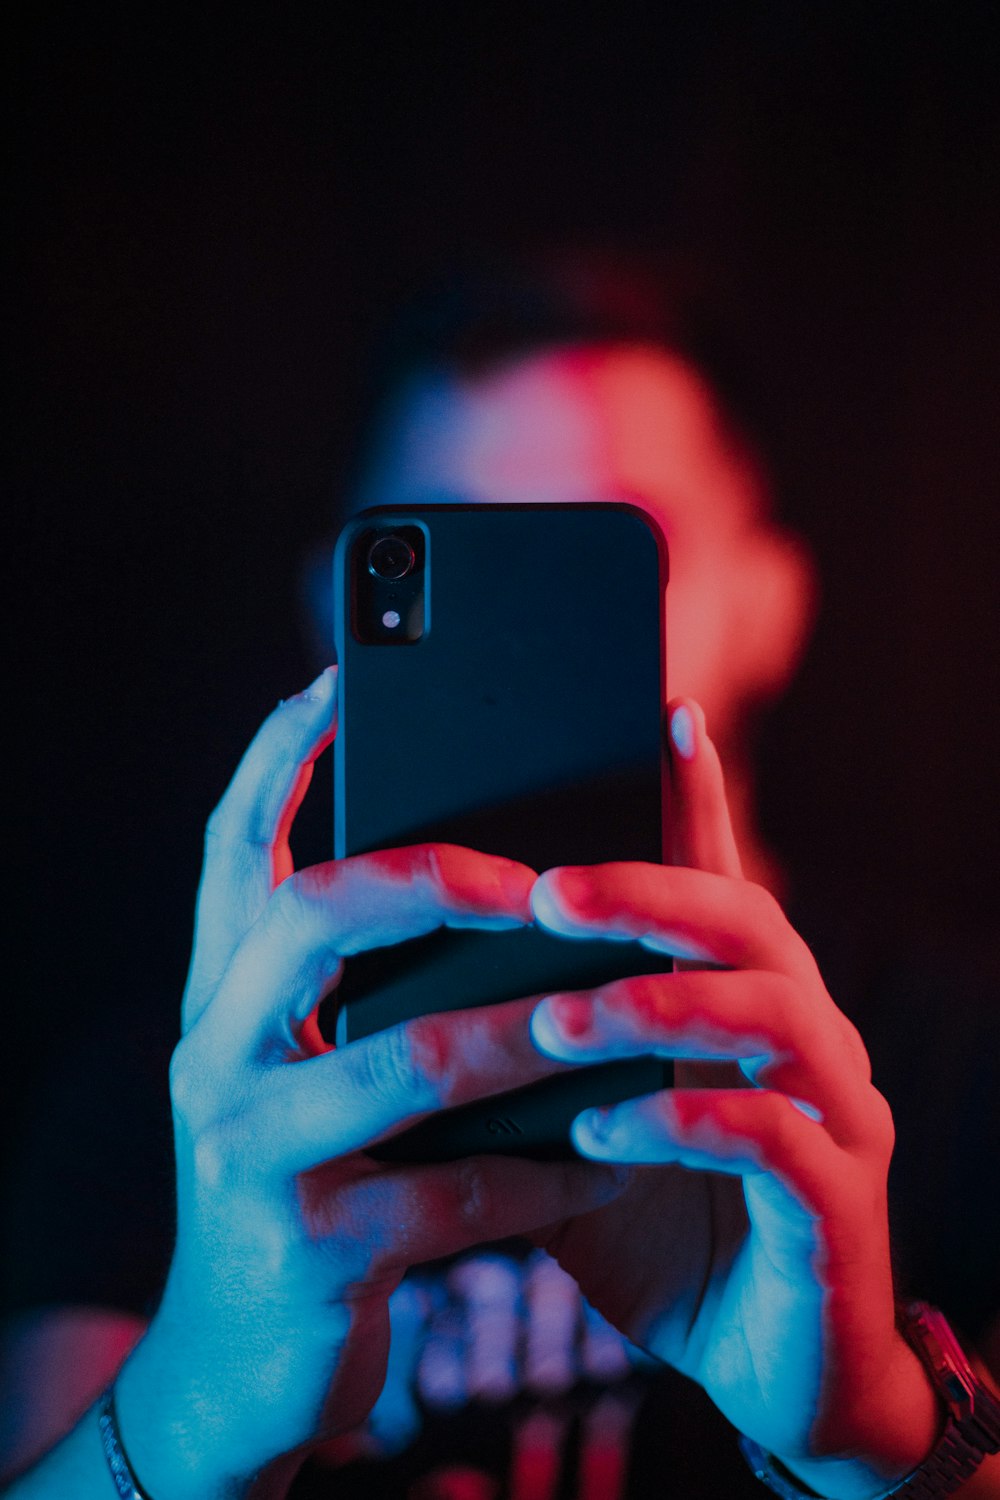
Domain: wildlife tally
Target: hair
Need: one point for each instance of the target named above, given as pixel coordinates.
(487, 313)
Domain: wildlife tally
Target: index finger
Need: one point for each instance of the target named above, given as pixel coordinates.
(691, 914)
(246, 840)
(291, 956)
(702, 831)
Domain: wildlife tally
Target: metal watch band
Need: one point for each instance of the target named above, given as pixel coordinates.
(945, 1471)
(972, 1429)
(120, 1469)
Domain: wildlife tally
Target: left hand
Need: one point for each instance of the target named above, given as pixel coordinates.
(751, 1248)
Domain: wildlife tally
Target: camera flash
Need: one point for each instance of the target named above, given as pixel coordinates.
(390, 619)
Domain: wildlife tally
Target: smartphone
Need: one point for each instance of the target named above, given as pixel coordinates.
(502, 681)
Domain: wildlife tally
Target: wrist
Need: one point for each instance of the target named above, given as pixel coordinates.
(967, 1439)
(902, 1422)
(175, 1431)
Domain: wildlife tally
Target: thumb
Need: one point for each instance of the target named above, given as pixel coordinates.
(702, 832)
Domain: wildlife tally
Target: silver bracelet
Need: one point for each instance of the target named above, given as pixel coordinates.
(119, 1467)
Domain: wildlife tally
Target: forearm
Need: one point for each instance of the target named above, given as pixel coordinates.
(75, 1466)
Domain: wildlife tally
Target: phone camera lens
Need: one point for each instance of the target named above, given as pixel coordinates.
(391, 558)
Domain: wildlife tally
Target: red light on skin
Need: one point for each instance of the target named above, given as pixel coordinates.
(620, 422)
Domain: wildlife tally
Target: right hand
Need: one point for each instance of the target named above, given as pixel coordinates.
(273, 1330)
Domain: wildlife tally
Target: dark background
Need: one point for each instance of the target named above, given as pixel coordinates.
(210, 210)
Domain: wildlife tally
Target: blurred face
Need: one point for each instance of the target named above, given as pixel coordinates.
(607, 423)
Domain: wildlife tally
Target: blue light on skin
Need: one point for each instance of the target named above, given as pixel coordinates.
(594, 1131)
(616, 422)
(623, 422)
(627, 423)
(637, 1131)
(682, 732)
(395, 1419)
(809, 1110)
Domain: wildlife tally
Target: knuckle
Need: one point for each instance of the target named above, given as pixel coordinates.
(225, 821)
(248, 807)
(766, 906)
(213, 1156)
(782, 1005)
(785, 993)
(430, 1056)
(443, 866)
(225, 1150)
(458, 879)
(472, 1196)
(217, 826)
(857, 1053)
(785, 1124)
(188, 1081)
(395, 1070)
(882, 1127)
(437, 861)
(212, 1120)
(799, 1028)
(640, 1001)
(292, 902)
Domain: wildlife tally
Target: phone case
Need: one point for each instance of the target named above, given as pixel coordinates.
(513, 703)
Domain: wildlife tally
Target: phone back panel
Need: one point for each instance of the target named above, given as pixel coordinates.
(526, 721)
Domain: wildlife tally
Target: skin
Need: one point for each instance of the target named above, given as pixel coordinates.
(286, 1256)
(632, 423)
(273, 1330)
(756, 1189)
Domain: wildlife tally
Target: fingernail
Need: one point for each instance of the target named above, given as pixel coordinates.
(320, 690)
(592, 1131)
(557, 1022)
(682, 732)
(677, 947)
(544, 1032)
(547, 910)
(808, 1109)
(572, 1015)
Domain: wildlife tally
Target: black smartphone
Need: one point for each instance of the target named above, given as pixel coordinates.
(502, 682)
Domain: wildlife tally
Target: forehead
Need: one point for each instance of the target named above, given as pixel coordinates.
(563, 425)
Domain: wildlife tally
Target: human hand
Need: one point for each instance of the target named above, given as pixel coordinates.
(751, 1248)
(273, 1330)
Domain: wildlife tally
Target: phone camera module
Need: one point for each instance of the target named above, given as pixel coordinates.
(389, 584)
(391, 558)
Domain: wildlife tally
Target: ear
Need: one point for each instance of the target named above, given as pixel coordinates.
(774, 607)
